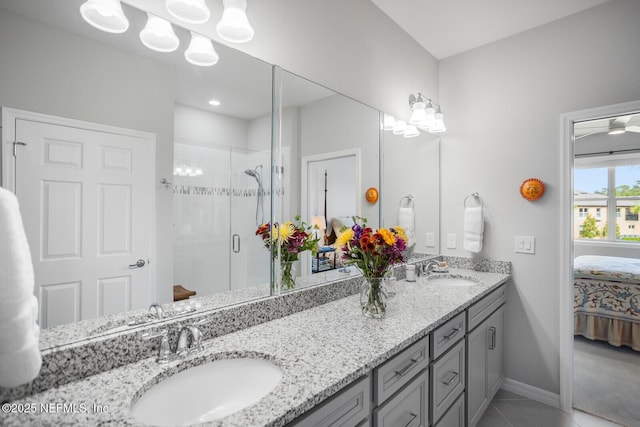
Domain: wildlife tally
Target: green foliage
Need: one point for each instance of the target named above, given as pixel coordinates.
(605, 230)
(623, 190)
(589, 228)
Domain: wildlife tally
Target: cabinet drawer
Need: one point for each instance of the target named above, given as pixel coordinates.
(389, 377)
(448, 375)
(454, 416)
(348, 408)
(447, 335)
(409, 408)
(487, 305)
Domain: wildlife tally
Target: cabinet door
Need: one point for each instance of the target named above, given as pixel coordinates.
(495, 352)
(485, 364)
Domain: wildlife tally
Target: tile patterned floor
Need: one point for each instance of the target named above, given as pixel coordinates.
(511, 410)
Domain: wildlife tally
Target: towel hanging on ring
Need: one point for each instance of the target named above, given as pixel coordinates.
(473, 225)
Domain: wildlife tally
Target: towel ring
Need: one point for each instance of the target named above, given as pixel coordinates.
(410, 198)
(476, 197)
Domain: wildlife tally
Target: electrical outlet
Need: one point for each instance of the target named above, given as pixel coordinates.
(451, 241)
(431, 240)
(525, 244)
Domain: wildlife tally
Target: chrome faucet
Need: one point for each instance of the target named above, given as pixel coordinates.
(189, 341)
(158, 310)
(429, 266)
(185, 346)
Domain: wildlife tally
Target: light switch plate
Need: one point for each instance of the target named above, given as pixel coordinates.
(525, 244)
(451, 241)
(431, 240)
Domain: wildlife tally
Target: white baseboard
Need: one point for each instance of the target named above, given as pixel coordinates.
(531, 392)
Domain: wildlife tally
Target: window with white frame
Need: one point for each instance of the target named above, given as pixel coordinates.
(607, 187)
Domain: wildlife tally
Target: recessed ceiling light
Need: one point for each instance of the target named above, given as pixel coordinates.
(214, 102)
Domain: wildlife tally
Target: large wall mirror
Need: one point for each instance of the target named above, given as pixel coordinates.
(330, 155)
(211, 178)
(411, 188)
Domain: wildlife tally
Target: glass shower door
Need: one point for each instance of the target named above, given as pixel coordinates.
(249, 207)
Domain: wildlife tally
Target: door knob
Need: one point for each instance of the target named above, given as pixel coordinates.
(138, 264)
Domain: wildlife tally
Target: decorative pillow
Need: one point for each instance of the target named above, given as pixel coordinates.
(342, 221)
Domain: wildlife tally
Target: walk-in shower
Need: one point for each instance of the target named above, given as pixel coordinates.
(259, 200)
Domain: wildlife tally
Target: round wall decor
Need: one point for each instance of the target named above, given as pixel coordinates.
(371, 195)
(532, 189)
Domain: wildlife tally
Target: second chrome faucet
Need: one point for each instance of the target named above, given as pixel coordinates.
(189, 341)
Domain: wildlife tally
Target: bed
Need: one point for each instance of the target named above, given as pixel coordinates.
(606, 299)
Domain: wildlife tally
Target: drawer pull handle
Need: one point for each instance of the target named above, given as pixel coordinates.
(412, 419)
(452, 378)
(404, 370)
(492, 338)
(451, 334)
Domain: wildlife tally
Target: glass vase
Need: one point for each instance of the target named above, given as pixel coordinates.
(287, 275)
(373, 298)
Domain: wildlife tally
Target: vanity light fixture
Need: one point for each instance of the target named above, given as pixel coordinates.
(234, 25)
(191, 11)
(411, 131)
(438, 122)
(425, 115)
(105, 15)
(399, 127)
(188, 171)
(201, 52)
(158, 35)
(388, 122)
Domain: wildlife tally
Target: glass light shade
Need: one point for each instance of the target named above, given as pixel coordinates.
(399, 127)
(429, 110)
(105, 15)
(438, 122)
(158, 35)
(389, 122)
(411, 131)
(418, 115)
(438, 126)
(191, 11)
(234, 25)
(200, 51)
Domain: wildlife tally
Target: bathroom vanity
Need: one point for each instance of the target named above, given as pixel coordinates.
(412, 368)
(429, 382)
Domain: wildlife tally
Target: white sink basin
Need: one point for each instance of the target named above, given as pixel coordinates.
(452, 281)
(207, 392)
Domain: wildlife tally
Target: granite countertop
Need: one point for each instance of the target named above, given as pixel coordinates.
(320, 351)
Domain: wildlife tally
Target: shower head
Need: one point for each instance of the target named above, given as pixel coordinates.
(254, 172)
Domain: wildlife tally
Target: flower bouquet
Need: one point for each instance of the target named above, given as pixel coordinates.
(291, 239)
(374, 253)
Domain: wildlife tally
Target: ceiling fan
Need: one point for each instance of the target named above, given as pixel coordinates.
(611, 126)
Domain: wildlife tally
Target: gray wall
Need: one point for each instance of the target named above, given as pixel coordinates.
(53, 72)
(504, 102)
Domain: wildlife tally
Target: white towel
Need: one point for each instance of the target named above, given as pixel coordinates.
(406, 220)
(20, 358)
(473, 229)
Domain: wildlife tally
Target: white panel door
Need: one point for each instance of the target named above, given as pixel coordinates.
(86, 198)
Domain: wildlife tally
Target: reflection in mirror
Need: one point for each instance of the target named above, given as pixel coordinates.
(330, 152)
(56, 64)
(410, 188)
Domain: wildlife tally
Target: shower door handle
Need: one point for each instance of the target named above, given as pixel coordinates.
(236, 239)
